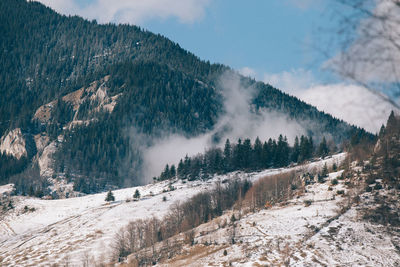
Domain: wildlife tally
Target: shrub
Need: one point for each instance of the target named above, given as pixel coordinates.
(164, 198)
(307, 202)
(334, 182)
(340, 192)
(225, 252)
(378, 186)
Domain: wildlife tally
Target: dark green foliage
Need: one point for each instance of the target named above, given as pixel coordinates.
(325, 171)
(242, 156)
(295, 150)
(227, 156)
(10, 166)
(29, 182)
(110, 196)
(306, 148)
(137, 194)
(44, 56)
(323, 149)
(334, 167)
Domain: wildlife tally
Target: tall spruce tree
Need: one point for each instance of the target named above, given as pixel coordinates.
(227, 156)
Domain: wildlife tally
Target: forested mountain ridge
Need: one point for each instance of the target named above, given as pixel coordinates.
(75, 87)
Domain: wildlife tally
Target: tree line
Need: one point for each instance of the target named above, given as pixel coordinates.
(246, 156)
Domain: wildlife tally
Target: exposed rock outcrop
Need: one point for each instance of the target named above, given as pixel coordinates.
(85, 103)
(14, 144)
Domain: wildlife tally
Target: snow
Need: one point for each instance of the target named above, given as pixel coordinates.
(6, 189)
(62, 230)
(294, 234)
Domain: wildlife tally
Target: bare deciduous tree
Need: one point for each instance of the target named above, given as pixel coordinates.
(368, 36)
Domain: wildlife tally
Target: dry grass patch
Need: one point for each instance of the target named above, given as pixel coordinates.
(194, 253)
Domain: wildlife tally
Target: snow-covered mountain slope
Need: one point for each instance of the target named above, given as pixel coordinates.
(42, 232)
(328, 231)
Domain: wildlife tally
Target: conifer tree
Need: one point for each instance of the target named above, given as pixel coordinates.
(325, 171)
(323, 149)
(257, 158)
(227, 156)
(110, 196)
(172, 171)
(296, 150)
(266, 156)
(246, 154)
(181, 170)
(137, 194)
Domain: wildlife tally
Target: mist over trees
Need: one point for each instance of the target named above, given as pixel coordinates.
(246, 156)
(162, 89)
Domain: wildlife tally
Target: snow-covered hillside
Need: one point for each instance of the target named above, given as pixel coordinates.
(319, 228)
(41, 232)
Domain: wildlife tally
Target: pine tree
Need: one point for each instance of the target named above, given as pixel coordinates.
(257, 158)
(237, 157)
(110, 196)
(172, 171)
(282, 152)
(266, 156)
(246, 154)
(296, 150)
(227, 156)
(165, 174)
(137, 194)
(323, 149)
(325, 171)
(181, 170)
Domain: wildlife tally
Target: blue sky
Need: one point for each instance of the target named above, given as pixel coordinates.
(268, 36)
(275, 41)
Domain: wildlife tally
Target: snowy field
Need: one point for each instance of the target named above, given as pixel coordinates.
(76, 229)
(296, 234)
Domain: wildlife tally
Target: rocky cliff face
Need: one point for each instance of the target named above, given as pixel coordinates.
(84, 103)
(14, 144)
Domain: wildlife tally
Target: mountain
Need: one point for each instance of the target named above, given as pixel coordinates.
(81, 101)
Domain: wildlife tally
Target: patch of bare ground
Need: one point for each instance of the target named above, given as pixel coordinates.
(194, 253)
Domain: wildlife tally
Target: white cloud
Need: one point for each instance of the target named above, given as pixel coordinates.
(132, 11)
(291, 81)
(248, 72)
(351, 103)
(237, 122)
